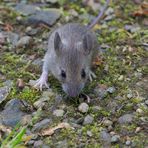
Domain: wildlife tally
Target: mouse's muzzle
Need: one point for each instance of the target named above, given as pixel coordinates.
(72, 89)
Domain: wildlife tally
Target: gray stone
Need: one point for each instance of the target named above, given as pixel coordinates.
(4, 91)
(47, 17)
(105, 138)
(12, 113)
(83, 107)
(38, 144)
(101, 92)
(42, 124)
(115, 138)
(88, 120)
(58, 112)
(24, 41)
(26, 9)
(125, 119)
(12, 38)
(112, 106)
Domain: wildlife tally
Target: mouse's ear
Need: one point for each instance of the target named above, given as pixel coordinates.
(87, 44)
(57, 42)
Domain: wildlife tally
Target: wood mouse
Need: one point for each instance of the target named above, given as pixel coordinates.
(71, 49)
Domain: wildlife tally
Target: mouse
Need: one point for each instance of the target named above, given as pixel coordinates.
(71, 50)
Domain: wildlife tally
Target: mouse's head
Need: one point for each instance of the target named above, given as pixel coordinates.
(73, 62)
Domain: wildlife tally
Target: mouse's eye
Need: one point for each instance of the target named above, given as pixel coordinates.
(83, 74)
(63, 74)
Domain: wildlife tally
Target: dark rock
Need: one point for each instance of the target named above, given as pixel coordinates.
(26, 9)
(42, 124)
(105, 139)
(80, 120)
(12, 113)
(47, 17)
(125, 119)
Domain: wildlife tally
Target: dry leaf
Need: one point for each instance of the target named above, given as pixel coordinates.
(8, 27)
(98, 61)
(142, 11)
(5, 129)
(50, 131)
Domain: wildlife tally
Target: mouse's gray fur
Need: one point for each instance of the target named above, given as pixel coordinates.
(71, 49)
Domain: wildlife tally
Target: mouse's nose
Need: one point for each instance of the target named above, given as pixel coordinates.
(73, 90)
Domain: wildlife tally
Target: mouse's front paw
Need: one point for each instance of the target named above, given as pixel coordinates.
(91, 75)
(40, 84)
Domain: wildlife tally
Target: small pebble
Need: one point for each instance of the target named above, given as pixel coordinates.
(58, 112)
(140, 111)
(138, 129)
(88, 120)
(112, 133)
(89, 133)
(110, 128)
(105, 138)
(128, 142)
(111, 90)
(129, 96)
(107, 122)
(115, 138)
(83, 107)
(121, 78)
(28, 29)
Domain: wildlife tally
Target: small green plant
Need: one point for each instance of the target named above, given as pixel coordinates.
(14, 139)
